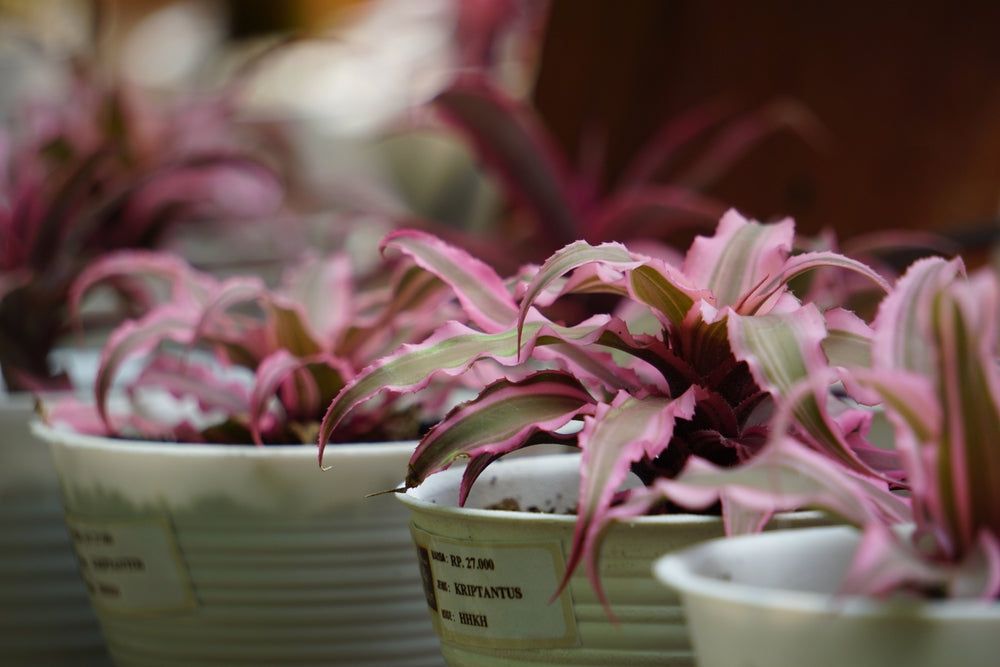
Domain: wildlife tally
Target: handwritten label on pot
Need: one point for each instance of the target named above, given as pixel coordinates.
(131, 566)
(496, 594)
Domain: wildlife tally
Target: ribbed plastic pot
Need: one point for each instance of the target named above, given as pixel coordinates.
(226, 555)
(774, 600)
(45, 617)
(490, 574)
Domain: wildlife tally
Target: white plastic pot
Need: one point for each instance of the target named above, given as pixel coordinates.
(217, 554)
(771, 599)
(45, 617)
(491, 576)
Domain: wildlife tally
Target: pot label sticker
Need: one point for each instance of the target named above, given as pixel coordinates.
(496, 594)
(131, 566)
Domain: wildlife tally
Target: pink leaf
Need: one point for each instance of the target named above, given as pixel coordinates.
(512, 141)
(483, 295)
(740, 256)
(500, 419)
(186, 285)
(173, 322)
(324, 293)
(617, 435)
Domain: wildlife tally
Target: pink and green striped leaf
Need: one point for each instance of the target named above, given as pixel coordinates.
(886, 562)
(785, 355)
(169, 322)
(499, 420)
(186, 285)
(483, 294)
(785, 476)
(799, 265)
(322, 291)
(450, 351)
(578, 254)
(739, 257)
(952, 341)
(615, 436)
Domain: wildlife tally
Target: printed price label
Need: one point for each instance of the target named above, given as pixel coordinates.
(492, 594)
(131, 566)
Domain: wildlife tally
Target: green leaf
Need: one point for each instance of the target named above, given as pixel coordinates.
(655, 289)
(451, 351)
(483, 294)
(574, 256)
(784, 353)
(499, 420)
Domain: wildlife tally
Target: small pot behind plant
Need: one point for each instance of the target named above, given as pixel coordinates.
(490, 575)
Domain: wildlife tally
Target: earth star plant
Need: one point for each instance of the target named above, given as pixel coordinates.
(243, 362)
(691, 364)
(935, 347)
(934, 373)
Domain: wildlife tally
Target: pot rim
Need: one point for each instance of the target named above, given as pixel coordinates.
(541, 517)
(66, 436)
(680, 571)
(449, 478)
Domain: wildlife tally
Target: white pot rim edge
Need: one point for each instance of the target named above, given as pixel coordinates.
(194, 450)
(679, 570)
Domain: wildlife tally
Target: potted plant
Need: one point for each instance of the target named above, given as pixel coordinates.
(919, 593)
(203, 530)
(109, 169)
(687, 365)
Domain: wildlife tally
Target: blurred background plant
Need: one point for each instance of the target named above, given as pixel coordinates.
(637, 121)
(232, 360)
(117, 147)
(108, 170)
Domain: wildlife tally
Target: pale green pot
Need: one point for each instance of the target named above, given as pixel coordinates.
(772, 599)
(201, 555)
(490, 575)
